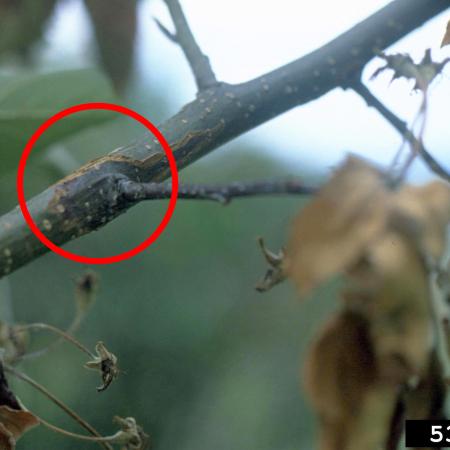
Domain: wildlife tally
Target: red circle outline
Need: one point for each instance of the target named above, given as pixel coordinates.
(21, 173)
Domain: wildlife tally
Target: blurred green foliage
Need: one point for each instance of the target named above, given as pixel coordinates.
(27, 100)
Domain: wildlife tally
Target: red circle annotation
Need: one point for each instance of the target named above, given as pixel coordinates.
(21, 175)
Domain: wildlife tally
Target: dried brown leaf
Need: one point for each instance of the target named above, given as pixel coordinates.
(381, 341)
(390, 286)
(343, 346)
(395, 299)
(13, 424)
(15, 420)
(332, 231)
(354, 406)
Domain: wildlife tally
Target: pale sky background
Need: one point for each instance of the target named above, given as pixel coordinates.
(247, 38)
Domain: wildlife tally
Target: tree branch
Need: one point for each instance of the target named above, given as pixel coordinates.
(90, 197)
(402, 128)
(199, 63)
(136, 192)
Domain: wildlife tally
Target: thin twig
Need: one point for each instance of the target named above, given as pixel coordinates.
(168, 34)
(130, 435)
(22, 376)
(85, 289)
(70, 434)
(62, 334)
(133, 191)
(402, 128)
(417, 143)
(199, 62)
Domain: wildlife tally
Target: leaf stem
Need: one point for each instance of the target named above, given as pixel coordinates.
(63, 334)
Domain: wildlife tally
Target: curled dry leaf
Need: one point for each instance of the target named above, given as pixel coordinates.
(378, 353)
(106, 363)
(391, 291)
(360, 407)
(333, 230)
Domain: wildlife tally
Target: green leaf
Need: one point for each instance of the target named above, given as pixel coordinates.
(27, 101)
